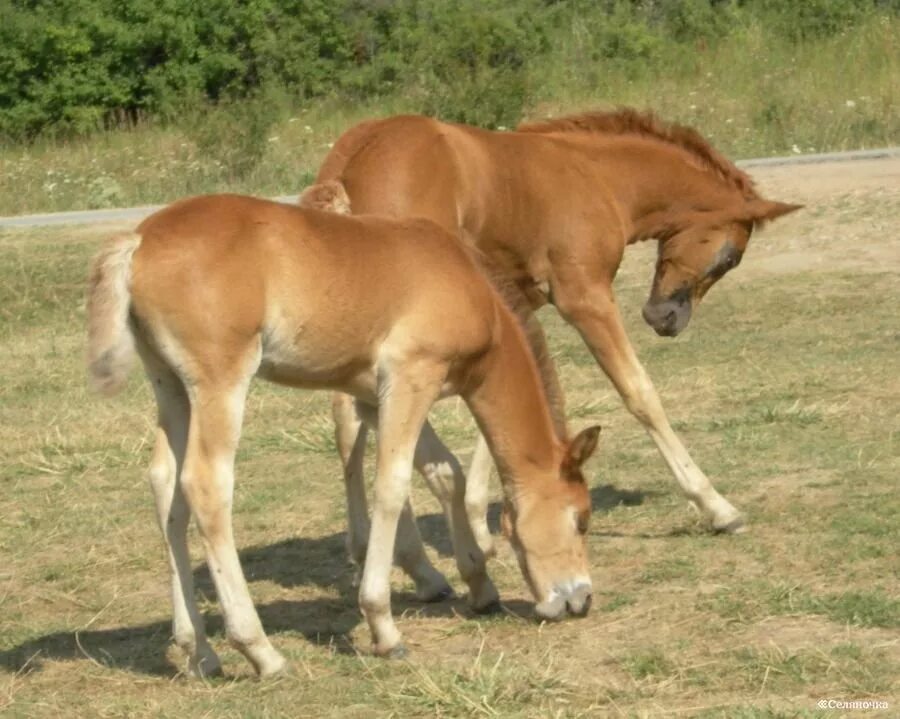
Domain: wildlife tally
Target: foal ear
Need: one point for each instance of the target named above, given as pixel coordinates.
(762, 211)
(582, 446)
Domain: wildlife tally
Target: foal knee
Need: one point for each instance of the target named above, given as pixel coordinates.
(374, 602)
(160, 476)
(161, 472)
(476, 504)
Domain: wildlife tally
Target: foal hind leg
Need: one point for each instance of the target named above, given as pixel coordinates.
(350, 436)
(173, 515)
(208, 483)
(409, 551)
(407, 390)
(477, 496)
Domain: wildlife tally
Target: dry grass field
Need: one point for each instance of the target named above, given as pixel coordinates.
(786, 388)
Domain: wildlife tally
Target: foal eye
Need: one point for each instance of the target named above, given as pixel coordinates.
(723, 267)
(582, 523)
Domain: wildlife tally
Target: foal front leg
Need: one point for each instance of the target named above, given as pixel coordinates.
(592, 309)
(406, 393)
(351, 420)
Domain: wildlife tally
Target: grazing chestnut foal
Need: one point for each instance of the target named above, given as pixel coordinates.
(213, 290)
(551, 208)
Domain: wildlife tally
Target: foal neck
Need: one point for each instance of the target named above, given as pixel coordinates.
(655, 182)
(512, 412)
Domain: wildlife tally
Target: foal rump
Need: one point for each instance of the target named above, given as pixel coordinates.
(110, 339)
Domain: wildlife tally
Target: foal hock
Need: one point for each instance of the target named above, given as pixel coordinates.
(213, 290)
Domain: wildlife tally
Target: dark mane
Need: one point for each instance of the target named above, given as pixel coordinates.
(628, 121)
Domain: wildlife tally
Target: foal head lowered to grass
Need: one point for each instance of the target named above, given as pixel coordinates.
(213, 290)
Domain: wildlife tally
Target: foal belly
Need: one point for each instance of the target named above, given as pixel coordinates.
(304, 354)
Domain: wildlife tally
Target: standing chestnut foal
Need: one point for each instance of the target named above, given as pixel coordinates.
(551, 208)
(213, 290)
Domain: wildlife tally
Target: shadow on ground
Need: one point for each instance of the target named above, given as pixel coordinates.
(322, 561)
(326, 621)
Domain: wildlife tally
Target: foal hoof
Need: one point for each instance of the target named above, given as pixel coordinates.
(490, 609)
(437, 593)
(274, 665)
(397, 652)
(207, 667)
(736, 526)
(441, 595)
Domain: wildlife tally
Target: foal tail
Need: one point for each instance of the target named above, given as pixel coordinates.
(110, 338)
(346, 147)
(330, 196)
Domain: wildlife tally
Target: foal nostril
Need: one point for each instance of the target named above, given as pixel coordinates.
(670, 318)
(579, 608)
(579, 600)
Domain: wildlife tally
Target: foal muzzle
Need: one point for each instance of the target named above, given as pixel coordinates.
(668, 317)
(572, 599)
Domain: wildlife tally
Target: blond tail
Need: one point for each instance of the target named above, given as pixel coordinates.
(110, 340)
(329, 196)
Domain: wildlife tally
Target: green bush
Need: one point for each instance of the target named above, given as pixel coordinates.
(812, 18)
(236, 135)
(472, 60)
(698, 19)
(75, 66)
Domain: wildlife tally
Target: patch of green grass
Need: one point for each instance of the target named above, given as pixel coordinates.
(753, 600)
(648, 664)
(866, 609)
(669, 569)
(613, 602)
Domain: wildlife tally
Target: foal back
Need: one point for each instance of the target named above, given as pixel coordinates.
(225, 283)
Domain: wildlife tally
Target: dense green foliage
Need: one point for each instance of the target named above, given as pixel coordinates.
(74, 66)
